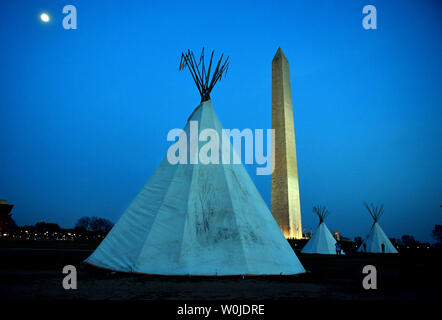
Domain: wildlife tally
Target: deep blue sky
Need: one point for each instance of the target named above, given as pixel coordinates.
(85, 113)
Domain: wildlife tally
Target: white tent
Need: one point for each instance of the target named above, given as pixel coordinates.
(376, 241)
(322, 241)
(198, 219)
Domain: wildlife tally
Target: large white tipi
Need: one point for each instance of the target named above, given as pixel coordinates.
(322, 241)
(376, 241)
(198, 219)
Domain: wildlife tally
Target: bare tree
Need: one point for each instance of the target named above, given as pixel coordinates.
(437, 233)
(100, 225)
(94, 224)
(83, 223)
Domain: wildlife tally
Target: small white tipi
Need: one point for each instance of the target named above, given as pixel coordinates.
(322, 241)
(198, 219)
(376, 241)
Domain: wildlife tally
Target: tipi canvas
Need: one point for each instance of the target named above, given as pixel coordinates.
(198, 219)
(376, 241)
(322, 241)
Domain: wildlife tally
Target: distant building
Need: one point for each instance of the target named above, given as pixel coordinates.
(5, 216)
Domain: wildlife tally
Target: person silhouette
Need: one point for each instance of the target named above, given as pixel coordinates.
(365, 247)
(383, 247)
(338, 248)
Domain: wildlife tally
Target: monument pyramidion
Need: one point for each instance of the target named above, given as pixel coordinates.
(198, 219)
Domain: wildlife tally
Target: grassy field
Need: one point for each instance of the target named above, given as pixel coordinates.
(36, 273)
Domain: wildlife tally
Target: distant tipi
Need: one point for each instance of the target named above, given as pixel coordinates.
(322, 241)
(198, 219)
(376, 241)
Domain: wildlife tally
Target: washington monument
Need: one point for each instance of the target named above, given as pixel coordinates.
(285, 206)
